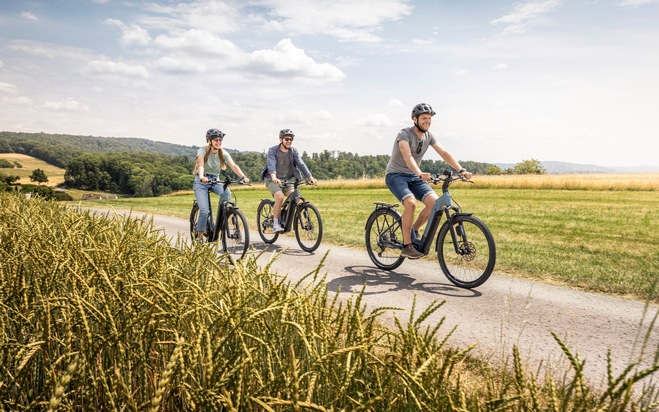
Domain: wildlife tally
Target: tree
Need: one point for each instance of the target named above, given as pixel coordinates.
(38, 176)
(529, 167)
(494, 170)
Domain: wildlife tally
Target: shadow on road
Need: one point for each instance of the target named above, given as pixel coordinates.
(379, 281)
(289, 251)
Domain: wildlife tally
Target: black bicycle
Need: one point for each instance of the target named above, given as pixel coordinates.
(295, 210)
(230, 223)
(465, 246)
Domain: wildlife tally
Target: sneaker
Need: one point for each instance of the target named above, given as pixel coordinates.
(410, 252)
(277, 229)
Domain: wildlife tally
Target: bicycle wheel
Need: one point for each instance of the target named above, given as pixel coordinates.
(384, 239)
(194, 218)
(473, 262)
(235, 236)
(265, 221)
(308, 227)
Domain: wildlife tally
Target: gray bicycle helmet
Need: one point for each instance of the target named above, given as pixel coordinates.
(213, 133)
(422, 108)
(286, 132)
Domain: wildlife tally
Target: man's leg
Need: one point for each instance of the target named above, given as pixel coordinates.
(428, 202)
(409, 206)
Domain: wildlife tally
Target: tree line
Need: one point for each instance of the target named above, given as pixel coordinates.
(144, 168)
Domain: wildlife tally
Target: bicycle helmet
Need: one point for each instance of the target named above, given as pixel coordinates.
(286, 132)
(213, 133)
(422, 108)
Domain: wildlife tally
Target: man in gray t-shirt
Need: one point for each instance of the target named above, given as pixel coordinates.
(283, 163)
(406, 180)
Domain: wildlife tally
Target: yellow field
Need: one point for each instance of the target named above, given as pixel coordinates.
(621, 181)
(55, 174)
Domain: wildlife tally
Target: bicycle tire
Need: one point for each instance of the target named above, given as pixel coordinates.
(475, 264)
(265, 221)
(308, 227)
(194, 218)
(384, 238)
(235, 234)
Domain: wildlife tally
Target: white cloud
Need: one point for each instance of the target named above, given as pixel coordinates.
(289, 61)
(132, 34)
(345, 19)
(524, 14)
(459, 71)
(395, 103)
(1, 64)
(501, 66)
(206, 15)
(17, 101)
(196, 42)
(28, 16)
(7, 87)
(179, 66)
(636, 3)
(100, 67)
(374, 119)
(67, 105)
(51, 51)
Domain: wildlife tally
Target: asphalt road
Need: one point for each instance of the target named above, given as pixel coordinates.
(503, 312)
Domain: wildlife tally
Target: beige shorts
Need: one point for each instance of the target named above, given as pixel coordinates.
(274, 188)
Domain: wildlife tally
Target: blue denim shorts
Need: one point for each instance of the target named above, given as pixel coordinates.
(404, 185)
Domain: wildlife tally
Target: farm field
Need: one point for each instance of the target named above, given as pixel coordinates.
(55, 174)
(588, 238)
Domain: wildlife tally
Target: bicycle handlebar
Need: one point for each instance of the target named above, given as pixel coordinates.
(228, 181)
(448, 177)
(296, 182)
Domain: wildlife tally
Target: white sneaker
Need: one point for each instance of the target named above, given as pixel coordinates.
(277, 228)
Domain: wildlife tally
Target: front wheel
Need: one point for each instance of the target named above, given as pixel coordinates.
(467, 261)
(308, 227)
(265, 221)
(235, 236)
(384, 239)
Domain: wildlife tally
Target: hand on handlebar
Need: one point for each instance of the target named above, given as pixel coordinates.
(424, 176)
(312, 181)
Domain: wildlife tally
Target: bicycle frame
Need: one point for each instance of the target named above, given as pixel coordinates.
(223, 203)
(291, 204)
(442, 206)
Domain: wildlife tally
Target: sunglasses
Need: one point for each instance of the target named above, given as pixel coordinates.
(419, 146)
(288, 139)
(218, 139)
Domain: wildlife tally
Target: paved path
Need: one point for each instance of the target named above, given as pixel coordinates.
(503, 312)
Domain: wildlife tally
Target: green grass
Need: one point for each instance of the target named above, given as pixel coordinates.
(596, 240)
(105, 314)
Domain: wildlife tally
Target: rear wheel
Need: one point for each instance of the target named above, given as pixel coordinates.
(265, 221)
(308, 227)
(235, 236)
(471, 263)
(194, 218)
(384, 238)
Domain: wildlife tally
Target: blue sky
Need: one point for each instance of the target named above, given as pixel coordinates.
(573, 81)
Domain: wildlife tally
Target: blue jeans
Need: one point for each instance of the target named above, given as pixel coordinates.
(404, 185)
(201, 194)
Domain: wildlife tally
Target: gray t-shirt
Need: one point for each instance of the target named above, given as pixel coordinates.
(418, 147)
(212, 165)
(284, 167)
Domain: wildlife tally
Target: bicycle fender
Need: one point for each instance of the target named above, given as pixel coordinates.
(462, 214)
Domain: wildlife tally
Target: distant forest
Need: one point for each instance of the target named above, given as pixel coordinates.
(145, 168)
